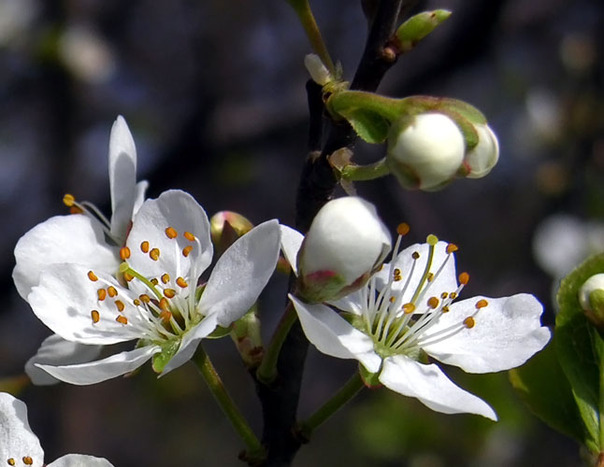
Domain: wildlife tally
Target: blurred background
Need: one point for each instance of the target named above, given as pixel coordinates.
(213, 92)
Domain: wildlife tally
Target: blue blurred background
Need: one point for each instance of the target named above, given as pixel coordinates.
(213, 92)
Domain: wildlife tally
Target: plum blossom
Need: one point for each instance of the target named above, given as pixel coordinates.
(85, 237)
(406, 317)
(156, 299)
(20, 447)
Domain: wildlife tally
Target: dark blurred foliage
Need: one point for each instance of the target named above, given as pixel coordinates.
(214, 95)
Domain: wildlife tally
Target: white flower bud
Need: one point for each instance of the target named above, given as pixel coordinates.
(591, 298)
(484, 156)
(318, 71)
(344, 245)
(425, 151)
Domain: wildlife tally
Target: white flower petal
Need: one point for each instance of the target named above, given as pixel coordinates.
(57, 351)
(506, 334)
(241, 273)
(66, 298)
(80, 460)
(141, 189)
(102, 370)
(353, 302)
(122, 177)
(291, 241)
(444, 279)
(431, 387)
(335, 336)
(16, 438)
(189, 343)
(61, 239)
(180, 211)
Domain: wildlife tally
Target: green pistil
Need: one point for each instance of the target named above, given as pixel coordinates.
(125, 268)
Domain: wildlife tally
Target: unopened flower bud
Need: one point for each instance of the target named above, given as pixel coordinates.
(591, 298)
(226, 227)
(425, 151)
(318, 71)
(484, 156)
(344, 246)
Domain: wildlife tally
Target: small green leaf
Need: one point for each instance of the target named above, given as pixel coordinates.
(417, 27)
(371, 127)
(543, 386)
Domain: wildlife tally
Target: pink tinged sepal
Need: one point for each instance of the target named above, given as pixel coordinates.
(102, 370)
(431, 387)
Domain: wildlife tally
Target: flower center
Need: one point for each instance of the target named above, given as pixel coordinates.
(401, 316)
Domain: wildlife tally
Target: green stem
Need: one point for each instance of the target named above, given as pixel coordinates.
(240, 424)
(360, 173)
(302, 9)
(267, 371)
(345, 394)
(601, 404)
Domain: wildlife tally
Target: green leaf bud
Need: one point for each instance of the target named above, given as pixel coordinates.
(417, 27)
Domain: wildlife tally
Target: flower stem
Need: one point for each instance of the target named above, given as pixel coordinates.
(267, 371)
(339, 399)
(255, 450)
(357, 173)
(302, 9)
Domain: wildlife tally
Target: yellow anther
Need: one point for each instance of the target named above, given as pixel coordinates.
(165, 278)
(92, 276)
(433, 302)
(453, 295)
(144, 298)
(164, 305)
(136, 302)
(102, 294)
(124, 253)
(128, 277)
(27, 460)
(444, 295)
(170, 293)
(397, 272)
(392, 299)
(432, 240)
(112, 291)
(122, 319)
(398, 278)
(451, 248)
(154, 254)
(68, 200)
(181, 282)
(95, 315)
(469, 322)
(187, 250)
(145, 246)
(171, 232)
(408, 308)
(120, 305)
(430, 276)
(464, 278)
(415, 255)
(165, 316)
(189, 236)
(76, 210)
(11, 461)
(154, 281)
(481, 304)
(445, 309)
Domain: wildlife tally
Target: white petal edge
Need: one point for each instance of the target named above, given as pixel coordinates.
(16, 438)
(334, 336)
(241, 273)
(57, 351)
(122, 177)
(431, 387)
(75, 239)
(506, 334)
(80, 460)
(102, 370)
(291, 241)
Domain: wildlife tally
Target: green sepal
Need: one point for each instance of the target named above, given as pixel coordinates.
(417, 27)
(543, 386)
(371, 380)
(161, 359)
(219, 332)
(580, 349)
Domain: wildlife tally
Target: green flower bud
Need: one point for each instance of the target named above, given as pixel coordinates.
(344, 246)
(425, 151)
(484, 156)
(591, 298)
